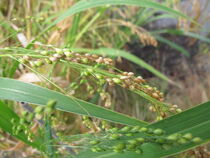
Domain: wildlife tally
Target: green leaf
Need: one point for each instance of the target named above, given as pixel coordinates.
(18, 91)
(88, 4)
(73, 30)
(184, 33)
(173, 45)
(195, 121)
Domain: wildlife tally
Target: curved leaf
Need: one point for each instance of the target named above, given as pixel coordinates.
(19, 91)
(195, 121)
(88, 4)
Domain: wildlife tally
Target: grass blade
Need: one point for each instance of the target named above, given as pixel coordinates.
(173, 45)
(18, 91)
(184, 33)
(195, 121)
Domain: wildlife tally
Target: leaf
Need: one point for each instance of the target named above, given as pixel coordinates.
(73, 30)
(195, 120)
(184, 33)
(88, 4)
(18, 91)
(173, 45)
(115, 53)
(6, 115)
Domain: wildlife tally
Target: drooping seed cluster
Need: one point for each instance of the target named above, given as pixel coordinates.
(66, 54)
(147, 40)
(171, 108)
(87, 122)
(124, 79)
(100, 125)
(127, 139)
(129, 81)
(48, 110)
(22, 125)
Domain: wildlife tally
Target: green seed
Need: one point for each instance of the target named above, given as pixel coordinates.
(85, 60)
(117, 80)
(38, 116)
(73, 84)
(48, 110)
(59, 51)
(38, 63)
(129, 134)
(85, 73)
(182, 141)
(21, 60)
(113, 130)
(117, 150)
(90, 70)
(48, 61)
(25, 113)
(96, 149)
(131, 146)
(13, 121)
(196, 140)
(172, 137)
(39, 109)
(32, 64)
(98, 76)
(138, 151)
(140, 140)
(120, 146)
(51, 103)
(188, 136)
(19, 129)
(102, 81)
(44, 52)
(158, 132)
(133, 141)
(150, 131)
(94, 142)
(160, 140)
(135, 129)
(178, 110)
(125, 129)
(143, 129)
(114, 136)
(30, 117)
(68, 54)
(22, 121)
(83, 81)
